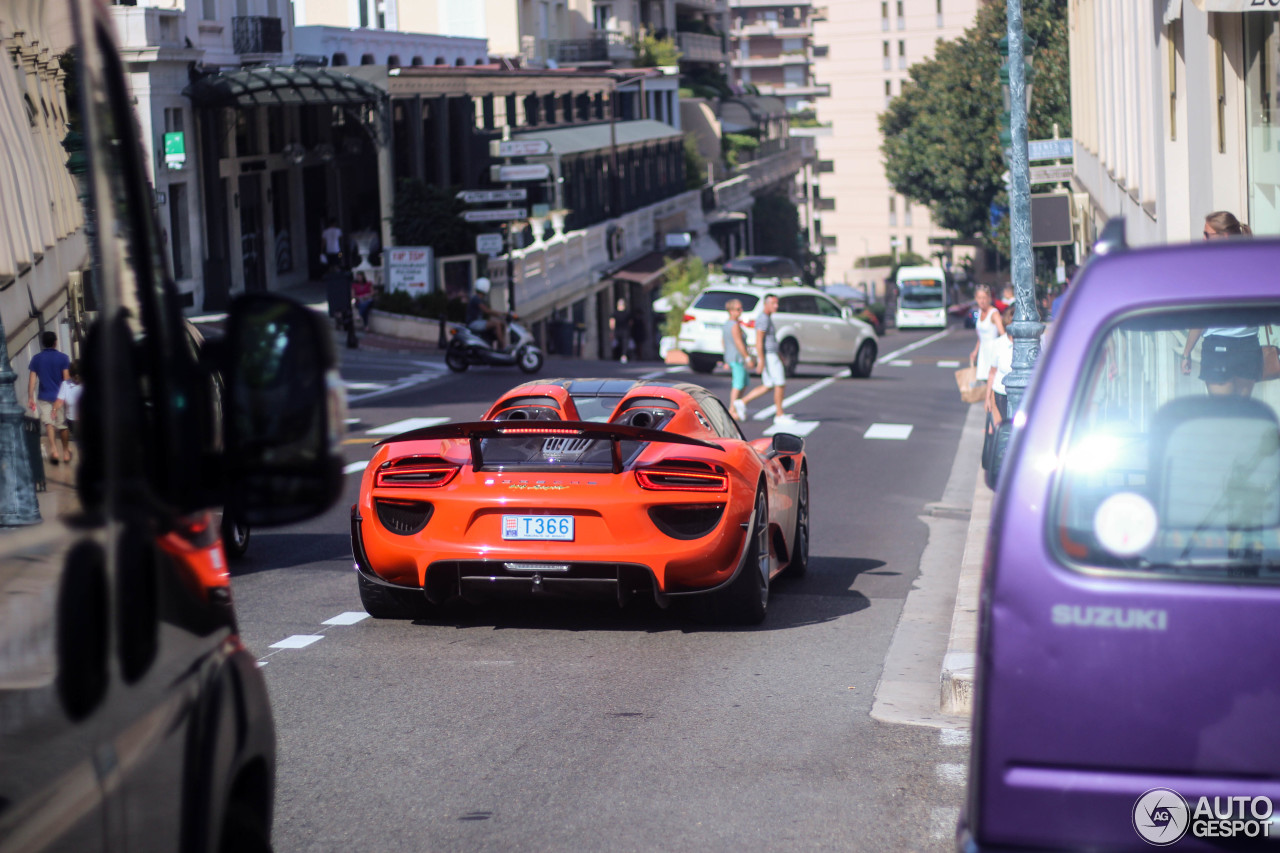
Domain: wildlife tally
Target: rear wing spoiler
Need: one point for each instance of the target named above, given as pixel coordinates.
(477, 431)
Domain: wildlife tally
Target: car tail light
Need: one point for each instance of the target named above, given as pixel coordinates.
(685, 475)
(689, 318)
(429, 472)
(750, 324)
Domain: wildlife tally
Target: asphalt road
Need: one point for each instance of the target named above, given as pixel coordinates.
(574, 726)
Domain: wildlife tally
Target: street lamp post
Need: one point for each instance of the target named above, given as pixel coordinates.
(1026, 327)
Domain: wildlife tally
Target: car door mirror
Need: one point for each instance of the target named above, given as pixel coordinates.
(785, 442)
(283, 412)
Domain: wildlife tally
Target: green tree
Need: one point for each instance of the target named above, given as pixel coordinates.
(652, 52)
(681, 284)
(427, 215)
(941, 135)
(695, 165)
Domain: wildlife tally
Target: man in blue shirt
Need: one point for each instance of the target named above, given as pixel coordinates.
(48, 368)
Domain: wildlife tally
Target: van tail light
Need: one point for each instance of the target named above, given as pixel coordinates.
(683, 475)
(424, 472)
(689, 318)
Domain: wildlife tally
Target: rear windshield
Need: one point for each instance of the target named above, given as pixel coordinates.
(1172, 466)
(714, 300)
(553, 453)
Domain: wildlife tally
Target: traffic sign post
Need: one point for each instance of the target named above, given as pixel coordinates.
(489, 244)
(1050, 149)
(499, 214)
(519, 147)
(521, 172)
(1050, 174)
(491, 196)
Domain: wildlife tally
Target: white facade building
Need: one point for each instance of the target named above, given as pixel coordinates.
(1173, 114)
(873, 43)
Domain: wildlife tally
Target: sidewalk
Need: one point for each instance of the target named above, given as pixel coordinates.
(314, 296)
(928, 672)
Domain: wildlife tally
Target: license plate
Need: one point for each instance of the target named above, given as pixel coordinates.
(559, 527)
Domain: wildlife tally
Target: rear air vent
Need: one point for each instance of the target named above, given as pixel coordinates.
(686, 521)
(403, 518)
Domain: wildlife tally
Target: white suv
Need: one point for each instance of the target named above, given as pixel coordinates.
(812, 327)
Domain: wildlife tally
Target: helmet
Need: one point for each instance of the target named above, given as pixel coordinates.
(482, 285)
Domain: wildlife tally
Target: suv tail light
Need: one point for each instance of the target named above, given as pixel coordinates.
(689, 318)
(685, 475)
(430, 472)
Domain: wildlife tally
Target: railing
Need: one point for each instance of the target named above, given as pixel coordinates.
(256, 34)
(699, 47)
(603, 46)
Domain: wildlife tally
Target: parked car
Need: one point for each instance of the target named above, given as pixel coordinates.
(134, 717)
(812, 328)
(847, 294)
(1129, 630)
(762, 266)
(583, 487)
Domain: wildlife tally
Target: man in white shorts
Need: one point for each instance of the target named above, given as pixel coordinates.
(772, 375)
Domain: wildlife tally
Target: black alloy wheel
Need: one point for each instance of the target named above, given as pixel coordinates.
(455, 357)
(864, 361)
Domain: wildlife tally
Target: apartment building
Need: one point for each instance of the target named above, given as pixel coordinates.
(772, 49)
(879, 40)
(1174, 115)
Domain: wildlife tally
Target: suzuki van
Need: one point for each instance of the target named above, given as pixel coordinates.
(1129, 636)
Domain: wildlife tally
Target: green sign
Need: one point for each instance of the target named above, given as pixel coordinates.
(175, 150)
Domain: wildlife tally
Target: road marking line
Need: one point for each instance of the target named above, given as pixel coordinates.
(951, 774)
(768, 412)
(953, 737)
(350, 617)
(403, 385)
(355, 466)
(948, 363)
(893, 432)
(654, 374)
(406, 425)
(800, 428)
(297, 641)
(364, 386)
(913, 347)
(900, 362)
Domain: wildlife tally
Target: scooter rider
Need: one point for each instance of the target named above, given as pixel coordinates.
(481, 317)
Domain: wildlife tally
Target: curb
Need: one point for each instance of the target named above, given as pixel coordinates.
(961, 657)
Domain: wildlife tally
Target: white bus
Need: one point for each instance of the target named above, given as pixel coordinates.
(922, 298)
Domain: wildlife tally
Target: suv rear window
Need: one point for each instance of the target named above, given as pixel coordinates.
(1172, 473)
(714, 300)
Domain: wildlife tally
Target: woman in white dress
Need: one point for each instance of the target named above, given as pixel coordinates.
(990, 328)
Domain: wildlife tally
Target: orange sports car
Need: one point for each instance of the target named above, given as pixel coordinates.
(577, 487)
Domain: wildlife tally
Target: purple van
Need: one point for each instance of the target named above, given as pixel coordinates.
(1128, 684)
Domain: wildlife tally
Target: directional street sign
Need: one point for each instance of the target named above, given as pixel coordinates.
(519, 147)
(488, 196)
(489, 244)
(529, 172)
(499, 214)
(1049, 149)
(1050, 174)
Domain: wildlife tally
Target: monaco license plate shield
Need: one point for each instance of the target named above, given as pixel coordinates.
(552, 527)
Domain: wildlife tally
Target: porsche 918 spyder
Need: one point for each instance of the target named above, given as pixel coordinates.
(583, 487)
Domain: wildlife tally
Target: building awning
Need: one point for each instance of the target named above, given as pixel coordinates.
(1237, 5)
(595, 137)
(645, 270)
(280, 85)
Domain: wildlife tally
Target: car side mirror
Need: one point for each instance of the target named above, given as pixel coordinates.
(785, 442)
(282, 412)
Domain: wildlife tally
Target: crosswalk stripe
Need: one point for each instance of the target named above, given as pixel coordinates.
(901, 362)
(893, 432)
(800, 428)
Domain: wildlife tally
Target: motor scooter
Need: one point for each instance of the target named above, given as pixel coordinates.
(467, 347)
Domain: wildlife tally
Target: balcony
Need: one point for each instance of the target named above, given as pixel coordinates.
(815, 90)
(255, 34)
(603, 46)
(698, 47)
(799, 57)
(775, 161)
(786, 28)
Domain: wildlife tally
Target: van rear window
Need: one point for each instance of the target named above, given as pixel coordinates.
(714, 300)
(1172, 467)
